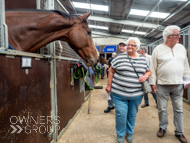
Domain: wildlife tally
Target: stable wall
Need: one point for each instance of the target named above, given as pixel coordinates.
(24, 98)
(26, 108)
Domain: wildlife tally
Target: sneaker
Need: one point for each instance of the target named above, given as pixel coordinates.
(120, 140)
(161, 133)
(181, 138)
(130, 138)
(144, 105)
(109, 109)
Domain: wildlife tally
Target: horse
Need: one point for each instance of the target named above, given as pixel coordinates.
(29, 30)
(103, 60)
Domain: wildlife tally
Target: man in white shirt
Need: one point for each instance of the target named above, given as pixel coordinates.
(143, 51)
(170, 64)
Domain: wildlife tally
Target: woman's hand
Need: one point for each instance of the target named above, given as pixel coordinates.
(108, 88)
(142, 78)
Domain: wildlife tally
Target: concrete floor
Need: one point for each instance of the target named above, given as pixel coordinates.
(99, 127)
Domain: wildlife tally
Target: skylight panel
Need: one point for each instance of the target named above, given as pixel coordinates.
(139, 12)
(90, 6)
(99, 7)
(81, 5)
(159, 14)
(92, 26)
(140, 33)
(145, 13)
(127, 31)
(136, 32)
(98, 27)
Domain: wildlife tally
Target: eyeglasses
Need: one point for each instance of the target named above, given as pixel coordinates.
(131, 45)
(177, 35)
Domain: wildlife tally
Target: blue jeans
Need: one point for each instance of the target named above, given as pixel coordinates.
(146, 98)
(110, 102)
(102, 74)
(126, 109)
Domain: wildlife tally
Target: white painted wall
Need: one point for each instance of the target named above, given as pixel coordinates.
(108, 41)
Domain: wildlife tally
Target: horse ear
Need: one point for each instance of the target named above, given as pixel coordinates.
(85, 16)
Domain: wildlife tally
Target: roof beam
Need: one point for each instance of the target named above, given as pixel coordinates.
(171, 15)
(176, 11)
(130, 7)
(125, 22)
(149, 14)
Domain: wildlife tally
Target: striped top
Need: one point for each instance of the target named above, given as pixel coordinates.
(125, 81)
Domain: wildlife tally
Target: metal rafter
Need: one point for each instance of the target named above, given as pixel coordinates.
(126, 22)
(131, 5)
(148, 15)
(171, 15)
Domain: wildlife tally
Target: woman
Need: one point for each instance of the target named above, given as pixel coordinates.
(126, 87)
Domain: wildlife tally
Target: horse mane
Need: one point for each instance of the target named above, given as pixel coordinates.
(65, 15)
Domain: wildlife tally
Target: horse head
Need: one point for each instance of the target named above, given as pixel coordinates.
(30, 30)
(103, 60)
(80, 39)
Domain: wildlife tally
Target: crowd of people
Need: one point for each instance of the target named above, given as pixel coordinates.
(164, 71)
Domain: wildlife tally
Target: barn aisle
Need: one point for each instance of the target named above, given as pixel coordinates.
(98, 127)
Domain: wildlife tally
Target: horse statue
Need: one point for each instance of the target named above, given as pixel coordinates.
(29, 30)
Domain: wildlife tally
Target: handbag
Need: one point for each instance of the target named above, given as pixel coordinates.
(145, 85)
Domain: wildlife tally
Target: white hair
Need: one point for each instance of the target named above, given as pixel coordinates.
(137, 41)
(145, 49)
(113, 54)
(169, 31)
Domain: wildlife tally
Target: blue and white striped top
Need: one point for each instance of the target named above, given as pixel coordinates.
(125, 81)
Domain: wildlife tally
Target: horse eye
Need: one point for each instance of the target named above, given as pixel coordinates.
(89, 32)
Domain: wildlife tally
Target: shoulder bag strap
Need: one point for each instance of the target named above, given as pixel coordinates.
(133, 66)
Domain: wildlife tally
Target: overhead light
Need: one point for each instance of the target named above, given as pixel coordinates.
(90, 6)
(136, 32)
(139, 12)
(98, 27)
(159, 14)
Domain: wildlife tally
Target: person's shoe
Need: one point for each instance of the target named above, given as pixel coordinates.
(181, 138)
(109, 109)
(144, 105)
(120, 140)
(130, 138)
(161, 133)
